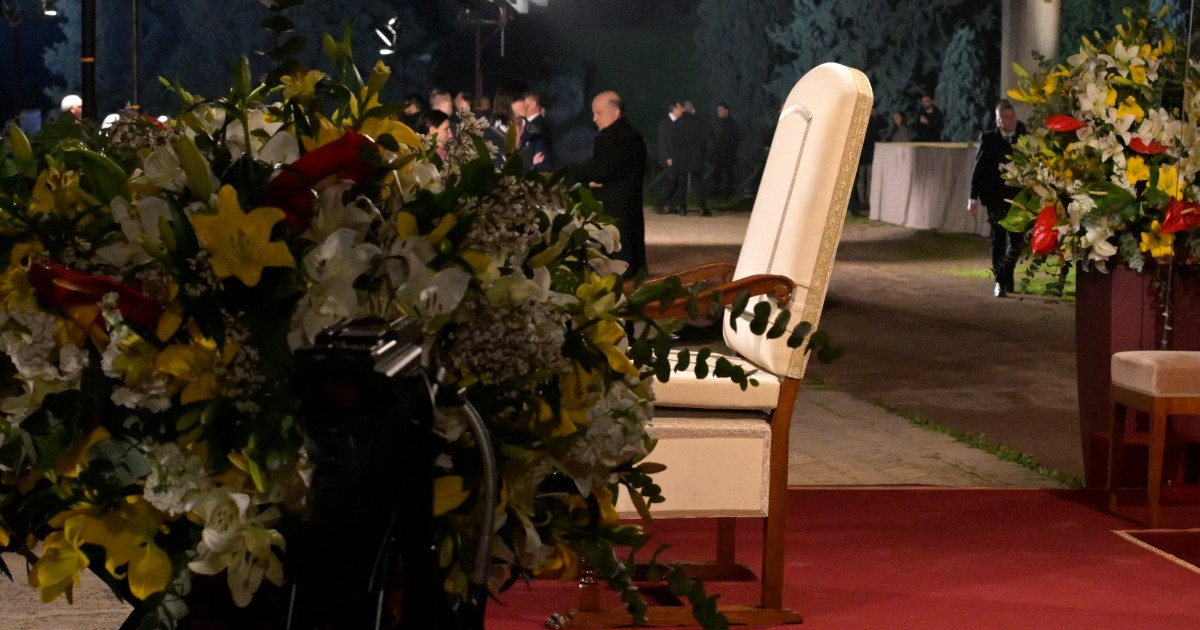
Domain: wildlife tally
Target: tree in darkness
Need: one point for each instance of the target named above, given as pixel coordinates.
(900, 47)
(968, 108)
(738, 57)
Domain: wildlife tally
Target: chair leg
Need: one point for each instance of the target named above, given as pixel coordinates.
(1158, 438)
(775, 525)
(1116, 448)
(726, 541)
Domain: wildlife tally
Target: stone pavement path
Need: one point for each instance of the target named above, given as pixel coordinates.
(838, 440)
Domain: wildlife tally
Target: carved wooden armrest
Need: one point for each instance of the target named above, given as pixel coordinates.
(713, 282)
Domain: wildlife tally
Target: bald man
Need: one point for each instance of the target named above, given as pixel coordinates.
(615, 173)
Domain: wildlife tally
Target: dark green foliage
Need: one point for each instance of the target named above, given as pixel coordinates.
(186, 40)
(899, 45)
(739, 59)
(965, 88)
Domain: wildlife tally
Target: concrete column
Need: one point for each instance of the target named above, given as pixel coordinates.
(1026, 26)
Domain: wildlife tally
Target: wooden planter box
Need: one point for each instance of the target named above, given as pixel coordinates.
(1119, 311)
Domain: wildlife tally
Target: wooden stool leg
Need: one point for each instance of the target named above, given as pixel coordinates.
(1158, 438)
(1116, 448)
(727, 540)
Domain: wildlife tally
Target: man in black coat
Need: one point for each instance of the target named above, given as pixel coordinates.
(615, 174)
(688, 140)
(726, 135)
(670, 178)
(989, 187)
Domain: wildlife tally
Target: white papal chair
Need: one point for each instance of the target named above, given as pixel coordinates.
(726, 449)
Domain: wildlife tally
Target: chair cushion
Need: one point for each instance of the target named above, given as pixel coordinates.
(685, 390)
(1158, 372)
(716, 466)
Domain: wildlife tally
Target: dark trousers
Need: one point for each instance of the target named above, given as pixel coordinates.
(1006, 248)
(693, 182)
(670, 188)
(723, 182)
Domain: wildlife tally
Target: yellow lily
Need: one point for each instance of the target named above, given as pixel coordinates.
(605, 336)
(71, 460)
(58, 192)
(1159, 245)
(1169, 182)
(240, 242)
(1130, 106)
(448, 493)
(129, 542)
(1136, 170)
(57, 571)
(196, 365)
(301, 85)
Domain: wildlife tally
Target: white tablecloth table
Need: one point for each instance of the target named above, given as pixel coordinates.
(925, 185)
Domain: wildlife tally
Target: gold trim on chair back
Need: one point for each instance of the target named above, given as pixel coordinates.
(798, 213)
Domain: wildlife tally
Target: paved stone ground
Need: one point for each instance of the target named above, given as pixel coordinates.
(839, 440)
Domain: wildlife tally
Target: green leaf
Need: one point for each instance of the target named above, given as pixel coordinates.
(278, 23)
(762, 317)
(107, 177)
(796, 339)
(739, 305)
(683, 360)
(780, 325)
(292, 47)
(701, 370)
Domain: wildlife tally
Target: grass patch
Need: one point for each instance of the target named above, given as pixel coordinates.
(1004, 453)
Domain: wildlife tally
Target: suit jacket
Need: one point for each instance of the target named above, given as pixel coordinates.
(618, 164)
(986, 183)
(537, 137)
(664, 140)
(687, 141)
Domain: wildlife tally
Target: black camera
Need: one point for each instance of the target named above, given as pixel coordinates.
(364, 558)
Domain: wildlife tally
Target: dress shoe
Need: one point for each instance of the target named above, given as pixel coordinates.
(999, 291)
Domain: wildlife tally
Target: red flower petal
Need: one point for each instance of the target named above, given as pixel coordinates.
(1180, 216)
(292, 188)
(1154, 148)
(66, 288)
(1062, 122)
(1045, 238)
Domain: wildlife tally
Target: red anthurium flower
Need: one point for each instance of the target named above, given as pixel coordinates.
(1062, 122)
(1181, 215)
(1154, 148)
(1045, 238)
(67, 288)
(292, 188)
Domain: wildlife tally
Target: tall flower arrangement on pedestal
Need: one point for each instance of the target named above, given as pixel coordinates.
(156, 278)
(1109, 169)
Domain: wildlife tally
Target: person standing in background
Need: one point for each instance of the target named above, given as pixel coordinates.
(988, 187)
(666, 159)
(537, 131)
(726, 136)
(929, 121)
(615, 174)
(687, 142)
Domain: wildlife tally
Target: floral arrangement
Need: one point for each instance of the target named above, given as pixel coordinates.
(1108, 171)
(156, 280)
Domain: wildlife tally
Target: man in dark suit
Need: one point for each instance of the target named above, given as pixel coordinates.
(615, 173)
(688, 140)
(988, 187)
(670, 176)
(537, 130)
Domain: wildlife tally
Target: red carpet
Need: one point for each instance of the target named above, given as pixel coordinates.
(938, 558)
(1181, 546)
